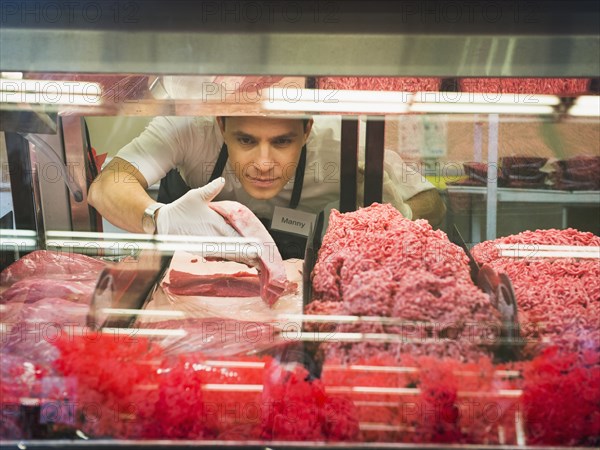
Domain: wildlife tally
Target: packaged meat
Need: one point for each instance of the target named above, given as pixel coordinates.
(477, 174)
(577, 173)
(47, 264)
(33, 289)
(524, 171)
(35, 328)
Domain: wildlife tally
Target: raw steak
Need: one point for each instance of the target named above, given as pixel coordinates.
(374, 262)
(44, 263)
(273, 280)
(197, 300)
(240, 284)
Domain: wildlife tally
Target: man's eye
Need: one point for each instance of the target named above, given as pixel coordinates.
(245, 140)
(282, 142)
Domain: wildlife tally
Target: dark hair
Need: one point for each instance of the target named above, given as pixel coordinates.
(304, 122)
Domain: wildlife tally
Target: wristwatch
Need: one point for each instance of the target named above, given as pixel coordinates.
(149, 218)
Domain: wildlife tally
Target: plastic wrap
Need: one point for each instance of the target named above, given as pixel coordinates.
(580, 173)
(221, 325)
(48, 264)
(524, 171)
(210, 382)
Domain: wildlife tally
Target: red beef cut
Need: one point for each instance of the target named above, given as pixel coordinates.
(273, 279)
(31, 290)
(241, 284)
(374, 262)
(35, 328)
(48, 264)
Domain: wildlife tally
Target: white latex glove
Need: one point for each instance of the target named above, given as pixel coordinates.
(191, 215)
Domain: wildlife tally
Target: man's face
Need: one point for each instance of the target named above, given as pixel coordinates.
(264, 152)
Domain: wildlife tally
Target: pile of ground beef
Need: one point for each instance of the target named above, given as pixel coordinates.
(558, 299)
(375, 262)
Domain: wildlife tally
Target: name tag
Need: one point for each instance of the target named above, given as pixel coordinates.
(292, 221)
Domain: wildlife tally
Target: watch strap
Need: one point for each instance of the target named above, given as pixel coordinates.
(150, 217)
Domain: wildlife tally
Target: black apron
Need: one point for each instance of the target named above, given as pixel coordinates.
(290, 245)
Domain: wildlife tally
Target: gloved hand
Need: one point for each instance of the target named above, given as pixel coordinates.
(191, 215)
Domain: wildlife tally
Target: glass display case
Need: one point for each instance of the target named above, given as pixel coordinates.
(391, 331)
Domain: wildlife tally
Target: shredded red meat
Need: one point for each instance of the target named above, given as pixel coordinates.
(374, 262)
(300, 410)
(558, 299)
(561, 398)
(429, 400)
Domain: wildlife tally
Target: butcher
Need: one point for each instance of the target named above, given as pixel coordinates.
(285, 170)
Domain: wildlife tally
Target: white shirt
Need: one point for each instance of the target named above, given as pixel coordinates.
(192, 145)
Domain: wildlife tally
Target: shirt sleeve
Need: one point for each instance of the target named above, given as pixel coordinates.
(160, 148)
(406, 176)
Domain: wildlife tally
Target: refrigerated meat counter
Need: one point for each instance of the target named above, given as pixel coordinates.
(391, 333)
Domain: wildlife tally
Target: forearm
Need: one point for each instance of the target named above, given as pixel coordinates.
(428, 205)
(119, 195)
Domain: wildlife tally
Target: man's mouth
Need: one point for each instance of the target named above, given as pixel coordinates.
(262, 181)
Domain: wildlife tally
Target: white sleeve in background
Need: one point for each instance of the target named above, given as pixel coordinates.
(405, 175)
(161, 147)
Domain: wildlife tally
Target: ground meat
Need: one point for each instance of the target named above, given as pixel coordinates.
(374, 262)
(561, 395)
(301, 410)
(558, 299)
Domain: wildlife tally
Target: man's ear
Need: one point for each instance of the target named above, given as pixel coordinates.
(307, 129)
(221, 124)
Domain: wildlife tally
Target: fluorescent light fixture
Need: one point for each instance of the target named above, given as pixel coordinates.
(143, 312)
(326, 100)
(480, 108)
(12, 75)
(474, 103)
(339, 101)
(18, 240)
(50, 92)
(144, 332)
(242, 249)
(486, 99)
(126, 243)
(17, 233)
(586, 105)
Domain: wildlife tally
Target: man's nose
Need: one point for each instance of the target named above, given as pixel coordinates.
(265, 154)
